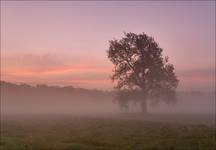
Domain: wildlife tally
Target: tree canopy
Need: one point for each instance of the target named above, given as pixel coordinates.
(140, 68)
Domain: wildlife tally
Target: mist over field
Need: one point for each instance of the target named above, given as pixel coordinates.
(67, 118)
(52, 100)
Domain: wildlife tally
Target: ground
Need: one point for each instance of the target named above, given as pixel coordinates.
(102, 133)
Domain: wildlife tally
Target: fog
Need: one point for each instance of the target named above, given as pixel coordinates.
(43, 99)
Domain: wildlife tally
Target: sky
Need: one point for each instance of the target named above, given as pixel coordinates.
(65, 43)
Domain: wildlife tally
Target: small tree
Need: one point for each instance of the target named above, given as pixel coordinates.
(140, 70)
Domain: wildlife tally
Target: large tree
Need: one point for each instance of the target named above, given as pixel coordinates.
(140, 70)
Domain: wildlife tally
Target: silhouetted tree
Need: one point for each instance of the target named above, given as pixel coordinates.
(140, 70)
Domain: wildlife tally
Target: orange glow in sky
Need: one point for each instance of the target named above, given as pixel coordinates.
(65, 43)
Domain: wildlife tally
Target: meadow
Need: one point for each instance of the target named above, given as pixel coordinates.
(66, 132)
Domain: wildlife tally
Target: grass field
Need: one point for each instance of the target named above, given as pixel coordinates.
(102, 133)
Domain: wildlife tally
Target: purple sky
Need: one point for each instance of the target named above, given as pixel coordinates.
(65, 43)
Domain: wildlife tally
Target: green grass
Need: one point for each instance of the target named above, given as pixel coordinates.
(87, 133)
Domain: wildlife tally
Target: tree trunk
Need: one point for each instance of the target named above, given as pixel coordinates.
(144, 107)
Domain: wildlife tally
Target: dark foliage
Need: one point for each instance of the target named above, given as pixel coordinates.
(140, 70)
